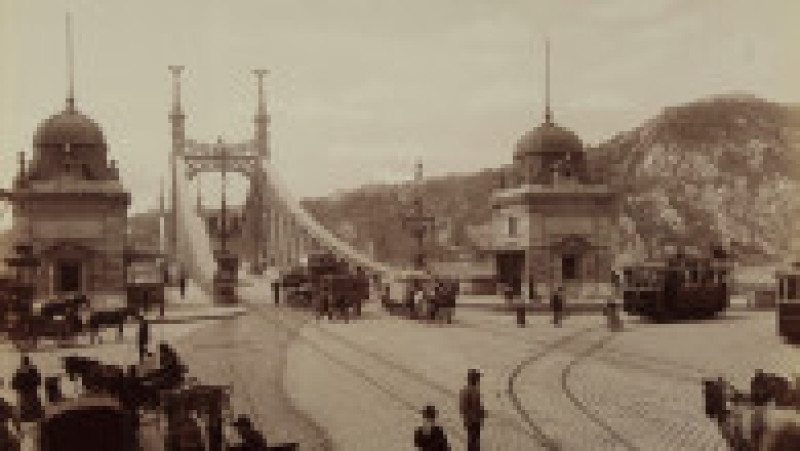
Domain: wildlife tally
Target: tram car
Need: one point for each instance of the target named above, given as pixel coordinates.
(679, 287)
(788, 303)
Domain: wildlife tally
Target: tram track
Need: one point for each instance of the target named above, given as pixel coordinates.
(449, 395)
(582, 406)
(644, 363)
(542, 438)
(454, 431)
(529, 426)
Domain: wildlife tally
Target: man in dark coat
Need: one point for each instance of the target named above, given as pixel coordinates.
(26, 383)
(251, 439)
(276, 292)
(143, 337)
(472, 411)
(430, 436)
(182, 284)
(557, 304)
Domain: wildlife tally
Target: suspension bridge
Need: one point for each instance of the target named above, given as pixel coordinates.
(278, 230)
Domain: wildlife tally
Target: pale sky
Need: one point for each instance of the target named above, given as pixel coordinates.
(361, 88)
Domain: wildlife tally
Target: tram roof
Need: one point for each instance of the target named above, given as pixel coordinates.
(679, 262)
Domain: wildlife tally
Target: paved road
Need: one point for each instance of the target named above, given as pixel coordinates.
(248, 353)
(575, 387)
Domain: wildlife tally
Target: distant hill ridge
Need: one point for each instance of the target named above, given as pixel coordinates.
(722, 169)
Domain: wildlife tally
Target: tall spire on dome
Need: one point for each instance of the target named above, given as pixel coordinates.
(70, 66)
(548, 113)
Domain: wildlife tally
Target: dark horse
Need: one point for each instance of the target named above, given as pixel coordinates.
(109, 318)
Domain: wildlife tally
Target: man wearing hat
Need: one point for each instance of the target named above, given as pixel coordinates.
(472, 410)
(430, 436)
(251, 439)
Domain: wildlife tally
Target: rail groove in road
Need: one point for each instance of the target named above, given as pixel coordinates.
(420, 379)
(541, 437)
(591, 415)
(650, 364)
(455, 432)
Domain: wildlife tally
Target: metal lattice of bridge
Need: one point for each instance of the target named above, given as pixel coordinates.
(279, 232)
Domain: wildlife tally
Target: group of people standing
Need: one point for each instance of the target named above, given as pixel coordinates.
(557, 306)
(430, 436)
(434, 301)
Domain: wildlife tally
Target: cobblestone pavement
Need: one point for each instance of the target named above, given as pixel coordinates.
(574, 387)
(376, 373)
(646, 382)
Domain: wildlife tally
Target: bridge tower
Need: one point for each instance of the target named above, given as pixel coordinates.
(178, 123)
(276, 232)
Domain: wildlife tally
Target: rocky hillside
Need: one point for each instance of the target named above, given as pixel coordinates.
(725, 169)
(371, 217)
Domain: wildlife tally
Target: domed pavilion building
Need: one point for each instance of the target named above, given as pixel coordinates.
(554, 222)
(70, 206)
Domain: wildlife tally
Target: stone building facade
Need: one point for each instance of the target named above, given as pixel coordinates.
(554, 221)
(69, 204)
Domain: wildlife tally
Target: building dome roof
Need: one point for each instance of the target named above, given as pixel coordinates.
(69, 126)
(549, 137)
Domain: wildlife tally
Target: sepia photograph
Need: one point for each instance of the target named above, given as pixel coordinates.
(376, 225)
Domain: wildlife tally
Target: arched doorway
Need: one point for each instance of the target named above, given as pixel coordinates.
(68, 268)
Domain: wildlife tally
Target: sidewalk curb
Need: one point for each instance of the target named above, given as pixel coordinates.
(234, 313)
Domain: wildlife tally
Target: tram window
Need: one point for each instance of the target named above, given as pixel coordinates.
(791, 288)
(626, 277)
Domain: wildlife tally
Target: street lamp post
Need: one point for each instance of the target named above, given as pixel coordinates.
(418, 223)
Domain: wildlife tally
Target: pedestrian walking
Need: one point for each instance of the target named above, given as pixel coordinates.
(26, 383)
(143, 337)
(182, 285)
(557, 304)
(276, 292)
(430, 436)
(611, 312)
(249, 438)
(472, 411)
(410, 297)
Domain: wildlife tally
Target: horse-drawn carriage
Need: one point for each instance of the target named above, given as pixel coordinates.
(55, 320)
(162, 409)
(88, 423)
(326, 283)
